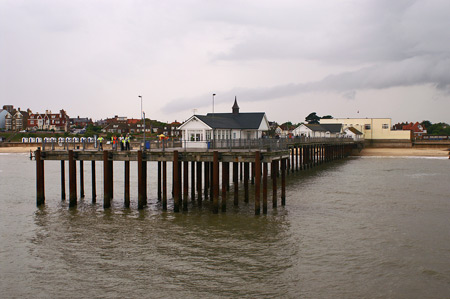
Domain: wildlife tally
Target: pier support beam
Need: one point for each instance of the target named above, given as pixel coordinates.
(63, 180)
(40, 192)
(274, 174)
(206, 178)
(265, 173)
(283, 182)
(127, 184)
(159, 181)
(94, 183)
(246, 174)
(199, 184)
(235, 183)
(192, 180)
(164, 186)
(185, 185)
(106, 181)
(176, 183)
(81, 179)
(225, 174)
(257, 183)
(215, 183)
(140, 166)
(72, 181)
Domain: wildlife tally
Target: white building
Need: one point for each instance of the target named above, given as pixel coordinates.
(200, 130)
(319, 130)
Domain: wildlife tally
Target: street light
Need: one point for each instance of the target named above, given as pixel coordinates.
(213, 131)
(143, 119)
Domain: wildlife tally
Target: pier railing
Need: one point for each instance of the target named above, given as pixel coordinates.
(269, 144)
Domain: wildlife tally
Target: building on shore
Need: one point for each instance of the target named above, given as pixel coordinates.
(319, 130)
(375, 131)
(49, 121)
(199, 130)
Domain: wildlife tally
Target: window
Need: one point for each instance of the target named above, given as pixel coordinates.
(385, 126)
(366, 127)
(234, 135)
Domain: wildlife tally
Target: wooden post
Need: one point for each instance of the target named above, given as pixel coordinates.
(111, 179)
(185, 185)
(246, 173)
(176, 183)
(206, 187)
(106, 181)
(81, 179)
(235, 183)
(296, 158)
(257, 183)
(193, 180)
(127, 185)
(292, 159)
(141, 199)
(159, 181)
(72, 180)
(63, 180)
(224, 186)
(283, 182)
(40, 192)
(144, 178)
(227, 174)
(241, 168)
(215, 184)
(164, 186)
(94, 183)
(274, 175)
(265, 174)
(199, 183)
(252, 173)
(211, 180)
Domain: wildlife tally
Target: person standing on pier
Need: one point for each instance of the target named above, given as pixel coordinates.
(127, 142)
(122, 142)
(100, 143)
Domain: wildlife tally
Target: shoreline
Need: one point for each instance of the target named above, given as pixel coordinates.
(366, 152)
(403, 152)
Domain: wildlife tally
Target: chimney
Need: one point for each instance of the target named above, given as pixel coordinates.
(235, 106)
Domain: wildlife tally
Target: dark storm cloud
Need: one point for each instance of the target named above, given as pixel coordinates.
(387, 43)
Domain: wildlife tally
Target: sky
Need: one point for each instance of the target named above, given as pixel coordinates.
(358, 58)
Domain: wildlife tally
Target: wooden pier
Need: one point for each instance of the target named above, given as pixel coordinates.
(205, 173)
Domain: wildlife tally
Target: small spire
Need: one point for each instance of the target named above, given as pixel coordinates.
(235, 106)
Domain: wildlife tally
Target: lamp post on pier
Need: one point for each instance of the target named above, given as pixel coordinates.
(142, 119)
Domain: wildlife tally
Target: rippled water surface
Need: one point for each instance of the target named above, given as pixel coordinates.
(362, 227)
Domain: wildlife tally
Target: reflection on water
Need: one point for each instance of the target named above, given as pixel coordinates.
(356, 228)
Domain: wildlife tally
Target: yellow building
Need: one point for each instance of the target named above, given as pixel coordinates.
(376, 131)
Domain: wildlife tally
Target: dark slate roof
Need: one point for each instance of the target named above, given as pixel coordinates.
(315, 127)
(232, 121)
(332, 128)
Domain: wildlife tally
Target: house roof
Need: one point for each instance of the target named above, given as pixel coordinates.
(354, 131)
(332, 128)
(250, 120)
(413, 127)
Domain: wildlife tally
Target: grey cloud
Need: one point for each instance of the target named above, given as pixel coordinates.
(414, 71)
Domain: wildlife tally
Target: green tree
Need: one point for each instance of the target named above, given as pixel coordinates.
(327, 117)
(313, 118)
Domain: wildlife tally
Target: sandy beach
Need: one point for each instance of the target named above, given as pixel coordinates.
(404, 152)
(385, 152)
